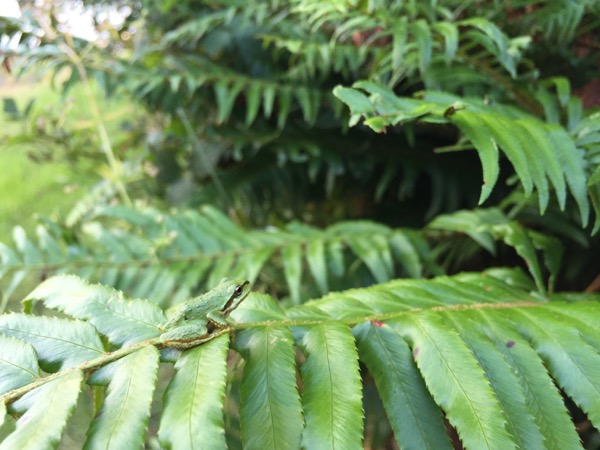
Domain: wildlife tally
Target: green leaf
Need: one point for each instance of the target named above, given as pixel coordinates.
(270, 410)
(268, 100)
(503, 133)
(252, 263)
(375, 253)
(252, 102)
(285, 103)
(450, 33)
(542, 397)
(221, 269)
(413, 415)
(358, 102)
(225, 96)
(123, 321)
(520, 420)
(563, 88)
(406, 253)
(575, 366)
(499, 40)
(303, 95)
(18, 364)
(315, 256)
(472, 224)
(377, 124)
(571, 160)
(59, 343)
(399, 39)
(48, 409)
(335, 257)
(422, 33)
(331, 394)
(456, 382)
(516, 236)
(123, 419)
(192, 414)
(546, 153)
(291, 256)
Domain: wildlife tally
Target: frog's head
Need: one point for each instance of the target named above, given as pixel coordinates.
(224, 298)
(235, 291)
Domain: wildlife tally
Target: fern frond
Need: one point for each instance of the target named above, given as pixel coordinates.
(479, 348)
(169, 256)
(485, 226)
(539, 152)
(123, 419)
(194, 396)
(558, 20)
(331, 393)
(47, 410)
(268, 389)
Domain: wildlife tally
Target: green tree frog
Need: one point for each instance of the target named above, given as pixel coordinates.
(192, 322)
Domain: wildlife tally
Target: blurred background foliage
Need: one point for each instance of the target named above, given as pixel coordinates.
(230, 103)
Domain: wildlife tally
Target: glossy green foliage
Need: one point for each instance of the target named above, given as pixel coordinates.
(59, 343)
(192, 403)
(481, 350)
(270, 409)
(128, 395)
(47, 410)
(331, 392)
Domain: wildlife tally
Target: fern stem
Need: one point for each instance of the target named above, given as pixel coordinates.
(384, 316)
(89, 366)
(114, 164)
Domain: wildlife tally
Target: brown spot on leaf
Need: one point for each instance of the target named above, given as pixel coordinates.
(416, 352)
(510, 344)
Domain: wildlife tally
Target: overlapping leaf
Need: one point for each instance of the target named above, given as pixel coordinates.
(467, 331)
(46, 411)
(59, 343)
(18, 364)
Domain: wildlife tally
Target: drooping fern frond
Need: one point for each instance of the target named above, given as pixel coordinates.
(168, 257)
(486, 226)
(480, 349)
(541, 154)
(558, 21)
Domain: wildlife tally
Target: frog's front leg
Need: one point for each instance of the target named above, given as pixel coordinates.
(217, 319)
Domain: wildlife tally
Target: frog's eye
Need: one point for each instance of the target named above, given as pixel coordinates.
(238, 291)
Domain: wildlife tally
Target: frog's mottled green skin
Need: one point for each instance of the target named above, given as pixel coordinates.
(189, 323)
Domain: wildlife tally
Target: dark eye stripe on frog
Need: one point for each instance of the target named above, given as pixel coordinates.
(239, 290)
